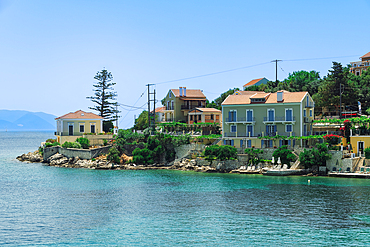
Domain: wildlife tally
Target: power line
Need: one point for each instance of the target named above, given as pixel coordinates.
(214, 73)
(133, 105)
(322, 58)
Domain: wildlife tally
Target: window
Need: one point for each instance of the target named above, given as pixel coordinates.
(172, 106)
(233, 128)
(168, 105)
(229, 142)
(249, 115)
(191, 117)
(249, 143)
(211, 116)
(288, 128)
(92, 127)
(289, 114)
(82, 128)
(232, 116)
(304, 112)
(199, 117)
(249, 130)
(170, 94)
(270, 114)
(271, 130)
(310, 113)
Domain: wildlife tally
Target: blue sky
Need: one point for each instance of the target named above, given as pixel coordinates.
(51, 50)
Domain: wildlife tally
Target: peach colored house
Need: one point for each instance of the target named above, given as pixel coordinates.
(204, 115)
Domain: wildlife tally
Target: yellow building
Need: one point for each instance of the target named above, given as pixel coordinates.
(74, 124)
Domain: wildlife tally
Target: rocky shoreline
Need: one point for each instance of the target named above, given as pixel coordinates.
(59, 160)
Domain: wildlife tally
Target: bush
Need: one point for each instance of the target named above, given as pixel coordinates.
(113, 155)
(72, 145)
(105, 142)
(51, 140)
(315, 157)
(224, 152)
(367, 153)
(85, 143)
(286, 156)
(142, 156)
(253, 155)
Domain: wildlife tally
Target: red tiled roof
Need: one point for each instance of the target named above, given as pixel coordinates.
(80, 115)
(252, 82)
(160, 109)
(190, 93)
(289, 97)
(206, 110)
(367, 55)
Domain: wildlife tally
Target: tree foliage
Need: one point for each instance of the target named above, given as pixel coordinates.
(253, 155)
(224, 152)
(141, 122)
(104, 96)
(315, 157)
(113, 155)
(286, 156)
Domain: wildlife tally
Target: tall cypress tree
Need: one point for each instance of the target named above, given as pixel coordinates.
(104, 98)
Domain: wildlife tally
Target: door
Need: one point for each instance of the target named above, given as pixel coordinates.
(360, 148)
(92, 128)
(70, 130)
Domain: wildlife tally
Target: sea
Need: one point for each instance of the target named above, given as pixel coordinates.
(51, 206)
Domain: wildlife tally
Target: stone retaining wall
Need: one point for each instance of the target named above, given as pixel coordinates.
(72, 152)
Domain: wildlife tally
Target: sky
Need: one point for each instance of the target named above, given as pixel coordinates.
(50, 51)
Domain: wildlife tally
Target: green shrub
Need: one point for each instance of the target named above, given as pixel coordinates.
(224, 152)
(105, 142)
(93, 159)
(315, 157)
(72, 145)
(253, 154)
(286, 156)
(113, 155)
(48, 144)
(85, 143)
(142, 156)
(41, 150)
(367, 153)
(51, 140)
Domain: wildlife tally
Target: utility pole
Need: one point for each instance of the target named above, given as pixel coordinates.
(151, 123)
(276, 62)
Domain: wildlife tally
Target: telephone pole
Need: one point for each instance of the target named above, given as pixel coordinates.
(276, 62)
(151, 116)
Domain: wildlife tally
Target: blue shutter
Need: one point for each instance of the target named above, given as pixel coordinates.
(241, 143)
(275, 128)
(229, 116)
(270, 145)
(232, 142)
(280, 143)
(262, 143)
(224, 142)
(234, 118)
(289, 142)
(267, 130)
(249, 143)
(293, 143)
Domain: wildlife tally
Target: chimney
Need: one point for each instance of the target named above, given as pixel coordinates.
(184, 91)
(280, 96)
(180, 89)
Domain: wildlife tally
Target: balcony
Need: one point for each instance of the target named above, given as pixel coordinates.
(169, 108)
(241, 120)
(190, 107)
(241, 134)
(278, 119)
(310, 105)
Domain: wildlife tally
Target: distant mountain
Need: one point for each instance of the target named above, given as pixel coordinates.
(25, 120)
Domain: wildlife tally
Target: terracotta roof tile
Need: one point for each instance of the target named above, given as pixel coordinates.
(80, 115)
(207, 110)
(160, 109)
(289, 97)
(252, 82)
(246, 92)
(190, 93)
(367, 55)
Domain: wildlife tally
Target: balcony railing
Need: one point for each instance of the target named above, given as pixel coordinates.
(170, 108)
(259, 134)
(279, 119)
(190, 107)
(310, 105)
(241, 120)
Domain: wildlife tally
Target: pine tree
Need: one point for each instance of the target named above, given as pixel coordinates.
(104, 98)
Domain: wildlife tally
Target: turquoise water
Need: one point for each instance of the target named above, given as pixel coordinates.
(51, 206)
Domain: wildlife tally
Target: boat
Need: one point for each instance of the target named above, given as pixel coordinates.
(281, 172)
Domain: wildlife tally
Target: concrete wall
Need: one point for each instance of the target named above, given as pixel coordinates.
(72, 152)
(337, 162)
(186, 149)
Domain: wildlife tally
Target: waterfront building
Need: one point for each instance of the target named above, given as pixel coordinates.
(178, 103)
(255, 82)
(75, 124)
(248, 117)
(359, 66)
(204, 115)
